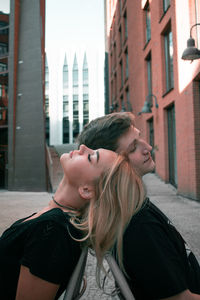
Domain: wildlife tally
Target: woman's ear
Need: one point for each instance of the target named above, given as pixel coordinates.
(86, 191)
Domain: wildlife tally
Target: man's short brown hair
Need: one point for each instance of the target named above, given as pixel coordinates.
(104, 132)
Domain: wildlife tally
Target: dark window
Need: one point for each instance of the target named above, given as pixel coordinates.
(149, 74)
(166, 4)
(125, 26)
(148, 23)
(126, 56)
(168, 49)
(122, 73)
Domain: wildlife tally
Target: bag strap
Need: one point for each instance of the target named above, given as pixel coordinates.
(119, 277)
(73, 290)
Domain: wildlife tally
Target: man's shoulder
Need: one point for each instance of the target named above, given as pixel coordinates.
(148, 215)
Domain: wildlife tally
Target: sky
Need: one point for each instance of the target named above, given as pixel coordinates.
(5, 6)
(72, 23)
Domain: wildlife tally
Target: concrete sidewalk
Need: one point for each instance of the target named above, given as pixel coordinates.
(183, 212)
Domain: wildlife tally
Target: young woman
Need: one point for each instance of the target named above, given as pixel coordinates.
(94, 202)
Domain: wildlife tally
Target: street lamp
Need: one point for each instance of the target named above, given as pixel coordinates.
(148, 105)
(191, 52)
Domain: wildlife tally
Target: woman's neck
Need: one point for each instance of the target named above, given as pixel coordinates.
(67, 197)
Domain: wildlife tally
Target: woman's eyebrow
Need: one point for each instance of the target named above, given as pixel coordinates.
(97, 153)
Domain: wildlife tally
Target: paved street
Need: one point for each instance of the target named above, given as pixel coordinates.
(183, 212)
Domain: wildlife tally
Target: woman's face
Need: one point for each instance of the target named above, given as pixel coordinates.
(84, 165)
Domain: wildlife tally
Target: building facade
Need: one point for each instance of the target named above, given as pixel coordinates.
(145, 42)
(74, 93)
(4, 36)
(26, 165)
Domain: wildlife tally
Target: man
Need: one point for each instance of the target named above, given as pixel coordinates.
(154, 253)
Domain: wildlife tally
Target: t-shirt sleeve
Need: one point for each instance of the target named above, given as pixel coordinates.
(48, 252)
(152, 262)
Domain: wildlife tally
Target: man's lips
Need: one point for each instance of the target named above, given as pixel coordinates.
(149, 158)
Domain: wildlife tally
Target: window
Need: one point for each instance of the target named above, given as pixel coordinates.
(168, 49)
(3, 48)
(75, 72)
(3, 67)
(122, 73)
(65, 76)
(123, 108)
(85, 71)
(126, 56)
(148, 23)
(120, 38)
(166, 4)
(129, 106)
(115, 55)
(151, 137)
(65, 106)
(120, 7)
(3, 28)
(125, 26)
(149, 74)
(197, 20)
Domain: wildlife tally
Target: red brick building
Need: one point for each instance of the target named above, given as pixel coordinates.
(145, 41)
(4, 30)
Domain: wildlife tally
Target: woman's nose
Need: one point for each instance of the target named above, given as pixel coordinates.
(84, 149)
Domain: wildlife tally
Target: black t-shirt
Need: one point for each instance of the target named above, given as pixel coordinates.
(155, 257)
(44, 245)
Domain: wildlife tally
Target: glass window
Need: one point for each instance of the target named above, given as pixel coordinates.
(197, 20)
(85, 76)
(148, 23)
(166, 4)
(85, 97)
(129, 106)
(3, 28)
(122, 73)
(125, 26)
(3, 48)
(3, 67)
(120, 38)
(168, 48)
(149, 74)
(65, 76)
(126, 55)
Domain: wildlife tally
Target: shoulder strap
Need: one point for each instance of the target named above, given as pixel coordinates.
(119, 277)
(73, 290)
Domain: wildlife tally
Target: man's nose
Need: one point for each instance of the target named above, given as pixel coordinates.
(147, 148)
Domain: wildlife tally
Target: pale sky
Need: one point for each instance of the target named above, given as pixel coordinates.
(74, 23)
(5, 6)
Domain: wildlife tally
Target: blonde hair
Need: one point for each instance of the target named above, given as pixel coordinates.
(119, 195)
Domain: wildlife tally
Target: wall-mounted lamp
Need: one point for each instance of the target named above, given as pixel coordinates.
(191, 52)
(148, 105)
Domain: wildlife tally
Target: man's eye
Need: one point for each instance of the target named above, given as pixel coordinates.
(89, 158)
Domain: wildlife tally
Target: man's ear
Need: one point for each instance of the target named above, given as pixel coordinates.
(86, 191)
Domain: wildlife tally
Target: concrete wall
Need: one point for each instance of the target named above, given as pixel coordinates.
(27, 158)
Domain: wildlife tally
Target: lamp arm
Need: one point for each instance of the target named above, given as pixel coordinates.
(192, 28)
(152, 95)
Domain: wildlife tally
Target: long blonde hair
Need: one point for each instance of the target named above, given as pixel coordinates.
(119, 195)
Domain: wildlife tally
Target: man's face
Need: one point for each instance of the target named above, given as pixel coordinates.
(138, 151)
